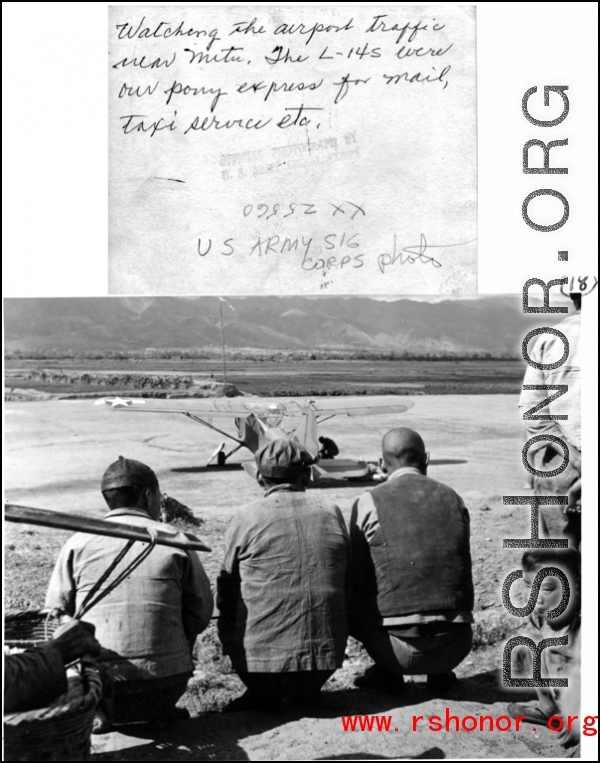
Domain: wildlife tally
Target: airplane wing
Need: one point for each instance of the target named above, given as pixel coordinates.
(241, 408)
(229, 408)
(360, 406)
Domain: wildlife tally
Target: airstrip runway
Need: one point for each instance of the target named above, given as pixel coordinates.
(55, 453)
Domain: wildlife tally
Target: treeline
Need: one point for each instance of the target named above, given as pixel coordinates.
(128, 381)
(253, 355)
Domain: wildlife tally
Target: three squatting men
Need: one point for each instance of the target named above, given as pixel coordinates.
(293, 583)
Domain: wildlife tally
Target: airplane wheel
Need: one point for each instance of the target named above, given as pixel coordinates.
(221, 458)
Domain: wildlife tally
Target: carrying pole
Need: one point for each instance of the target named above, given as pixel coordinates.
(78, 523)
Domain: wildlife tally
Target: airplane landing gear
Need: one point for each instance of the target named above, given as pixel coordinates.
(221, 456)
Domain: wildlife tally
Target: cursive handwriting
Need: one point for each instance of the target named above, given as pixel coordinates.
(394, 79)
(232, 61)
(163, 29)
(310, 31)
(411, 29)
(408, 256)
(178, 88)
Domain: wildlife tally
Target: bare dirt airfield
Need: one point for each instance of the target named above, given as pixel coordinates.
(55, 453)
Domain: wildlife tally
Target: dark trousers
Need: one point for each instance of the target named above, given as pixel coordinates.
(425, 655)
(142, 701)
(278, 687)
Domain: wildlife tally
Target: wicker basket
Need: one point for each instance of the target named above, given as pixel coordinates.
(32, 627)
(57, 733)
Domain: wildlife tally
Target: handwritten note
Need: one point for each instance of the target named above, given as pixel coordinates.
(274, 149)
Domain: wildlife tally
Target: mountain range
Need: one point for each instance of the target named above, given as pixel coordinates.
(494, 325)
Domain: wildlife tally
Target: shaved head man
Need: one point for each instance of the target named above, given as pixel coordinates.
(403, 447)
(412, 589)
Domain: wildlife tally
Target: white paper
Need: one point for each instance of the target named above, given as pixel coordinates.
(292, 150)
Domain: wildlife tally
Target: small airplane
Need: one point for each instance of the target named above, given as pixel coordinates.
(260, 420)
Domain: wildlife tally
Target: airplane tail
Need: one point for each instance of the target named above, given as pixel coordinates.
(306, 431)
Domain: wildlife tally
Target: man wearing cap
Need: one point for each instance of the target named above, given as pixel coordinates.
(148, 624)
(281, 592)
(412, 588)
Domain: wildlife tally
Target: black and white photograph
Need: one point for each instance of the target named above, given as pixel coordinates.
(341, 463)
(300, 381)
